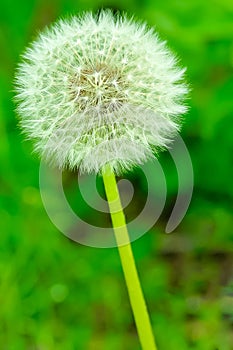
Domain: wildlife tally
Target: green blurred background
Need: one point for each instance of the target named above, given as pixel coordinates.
(57, 294)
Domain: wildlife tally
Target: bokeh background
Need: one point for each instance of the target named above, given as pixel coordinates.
(57, 294)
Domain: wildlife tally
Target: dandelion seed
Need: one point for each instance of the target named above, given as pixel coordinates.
(101, 90)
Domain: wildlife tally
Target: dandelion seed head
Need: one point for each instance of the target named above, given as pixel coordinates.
(95, 90)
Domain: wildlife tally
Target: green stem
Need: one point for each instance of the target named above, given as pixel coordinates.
(136, 297)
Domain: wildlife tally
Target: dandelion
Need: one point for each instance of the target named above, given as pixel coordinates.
(95, 90)
(102, 94)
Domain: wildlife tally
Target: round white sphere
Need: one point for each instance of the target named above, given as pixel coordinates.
(94, 90)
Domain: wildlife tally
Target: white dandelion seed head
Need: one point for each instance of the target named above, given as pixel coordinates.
(95, 90)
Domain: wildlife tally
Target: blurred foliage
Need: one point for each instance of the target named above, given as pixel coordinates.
(55, 294)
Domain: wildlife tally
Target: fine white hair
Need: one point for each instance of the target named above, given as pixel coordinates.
(92, 90)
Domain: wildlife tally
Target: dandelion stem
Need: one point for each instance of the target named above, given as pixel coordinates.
(136, 297)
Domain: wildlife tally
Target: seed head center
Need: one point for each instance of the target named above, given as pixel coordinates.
(101, 87)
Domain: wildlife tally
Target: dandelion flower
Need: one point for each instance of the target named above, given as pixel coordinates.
(102, 94)
(92, 90)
